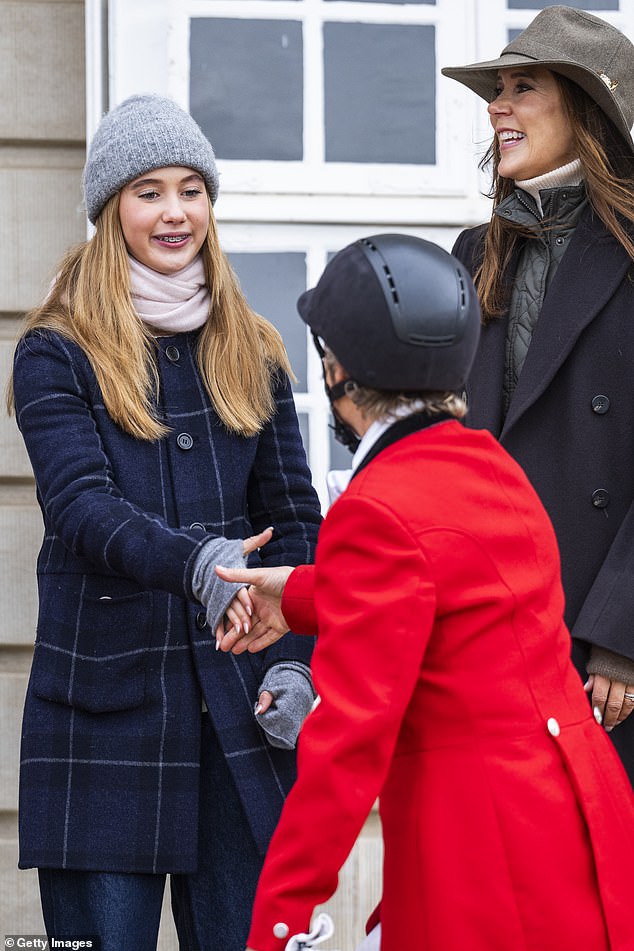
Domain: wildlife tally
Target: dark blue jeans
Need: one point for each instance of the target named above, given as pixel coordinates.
(211, 907)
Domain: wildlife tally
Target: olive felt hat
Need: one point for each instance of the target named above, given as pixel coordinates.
(582, 47)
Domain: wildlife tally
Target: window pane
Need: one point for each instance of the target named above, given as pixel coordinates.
(380, 93)
(579, 4)
(340, 457)
(246, 86)
(272, 282)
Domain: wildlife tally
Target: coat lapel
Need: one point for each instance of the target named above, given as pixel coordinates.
(588, 276)
(485, 386)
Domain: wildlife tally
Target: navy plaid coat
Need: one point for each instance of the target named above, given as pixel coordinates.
(123, 656)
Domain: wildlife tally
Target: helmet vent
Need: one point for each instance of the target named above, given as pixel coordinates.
(391, 284)
(463, 291)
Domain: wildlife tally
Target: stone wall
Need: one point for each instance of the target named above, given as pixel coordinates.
(42, 130)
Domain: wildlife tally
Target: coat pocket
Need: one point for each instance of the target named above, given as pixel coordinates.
(92, 651)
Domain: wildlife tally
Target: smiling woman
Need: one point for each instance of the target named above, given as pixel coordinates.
(165, 217)
(530, 121)
(552, 377)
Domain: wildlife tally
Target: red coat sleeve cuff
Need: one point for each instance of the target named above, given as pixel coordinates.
(298, 603)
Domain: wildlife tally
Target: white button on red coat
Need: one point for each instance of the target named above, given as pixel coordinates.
(553, 727)
(281, 929)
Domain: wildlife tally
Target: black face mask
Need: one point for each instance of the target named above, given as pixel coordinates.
(344, 433)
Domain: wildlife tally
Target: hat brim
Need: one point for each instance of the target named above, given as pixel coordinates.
(481, 77)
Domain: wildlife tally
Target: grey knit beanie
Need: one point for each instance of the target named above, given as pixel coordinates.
(140, 134)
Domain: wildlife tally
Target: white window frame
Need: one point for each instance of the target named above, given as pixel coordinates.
(266, 190)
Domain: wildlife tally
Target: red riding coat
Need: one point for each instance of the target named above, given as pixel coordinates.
(447, 690)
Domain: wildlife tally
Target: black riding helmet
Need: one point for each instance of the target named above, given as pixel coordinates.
(398, 312)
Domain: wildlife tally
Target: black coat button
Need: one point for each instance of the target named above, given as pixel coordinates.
(184, 441)
(201, 620)
(172, 353)
(197, 525)
(600, 404)
(600, 498)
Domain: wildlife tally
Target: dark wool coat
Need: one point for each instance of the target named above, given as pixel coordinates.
(570, 425)
(111, 733)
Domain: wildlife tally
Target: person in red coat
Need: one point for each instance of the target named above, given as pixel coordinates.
(442, 662)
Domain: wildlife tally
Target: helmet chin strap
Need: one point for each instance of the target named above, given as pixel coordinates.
(344, 433)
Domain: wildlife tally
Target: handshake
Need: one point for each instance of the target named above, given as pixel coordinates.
(243, 607)
(254, 619)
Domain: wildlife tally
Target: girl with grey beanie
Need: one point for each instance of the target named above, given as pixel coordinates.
(156, 409)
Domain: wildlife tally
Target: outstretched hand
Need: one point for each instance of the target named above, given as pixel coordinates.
(261, 602)
(237, 615)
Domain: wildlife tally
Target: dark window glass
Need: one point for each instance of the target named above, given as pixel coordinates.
(579, 4)
(272, 282)
(380, 93)
(246, 86)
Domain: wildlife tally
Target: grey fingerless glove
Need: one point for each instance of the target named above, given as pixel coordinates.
(213, 593)
(608, 664)
(291, 685)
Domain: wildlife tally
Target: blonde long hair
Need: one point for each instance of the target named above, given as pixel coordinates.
(607, 167)
(240, 354)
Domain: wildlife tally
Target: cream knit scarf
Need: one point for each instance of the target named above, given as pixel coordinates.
(565, 175)
(170, 303)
